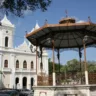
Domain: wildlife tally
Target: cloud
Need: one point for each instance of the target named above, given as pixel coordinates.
(56, 59)
(77, 19)
(27, 12)
(80, 21)
(18, 23)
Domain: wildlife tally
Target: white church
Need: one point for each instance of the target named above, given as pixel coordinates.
(18, 65)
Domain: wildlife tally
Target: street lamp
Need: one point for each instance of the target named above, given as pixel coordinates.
(86, 69)
(38, 55)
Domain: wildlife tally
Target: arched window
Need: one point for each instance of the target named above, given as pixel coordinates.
(17, 64)
(6, 63)
(32, 65)
(24, 64)
(6, 41)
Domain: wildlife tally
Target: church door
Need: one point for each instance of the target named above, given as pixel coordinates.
(24, 83)
(16, 81)
(32, 82)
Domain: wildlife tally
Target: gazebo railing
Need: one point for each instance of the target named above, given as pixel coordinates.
(68, 79)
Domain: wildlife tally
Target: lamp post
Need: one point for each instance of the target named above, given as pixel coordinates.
(85, 63)
(37, 56)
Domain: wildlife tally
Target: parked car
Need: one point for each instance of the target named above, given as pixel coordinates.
(12, 92)
(4, 94)
(9, 93)
(26, 92)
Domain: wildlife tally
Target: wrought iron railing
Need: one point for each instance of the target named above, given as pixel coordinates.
(69, 78)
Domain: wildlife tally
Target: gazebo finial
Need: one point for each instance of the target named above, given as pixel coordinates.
(66, 12)
(26, 32)
(89, 19)
(46, 22)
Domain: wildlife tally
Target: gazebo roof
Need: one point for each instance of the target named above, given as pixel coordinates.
(66, 34)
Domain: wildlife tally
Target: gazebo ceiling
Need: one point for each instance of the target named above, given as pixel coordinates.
(66, 34)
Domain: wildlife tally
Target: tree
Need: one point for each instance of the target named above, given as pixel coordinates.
(73, 65)
(63, 68)
(51, 66)
(91, 66)
(17, 7)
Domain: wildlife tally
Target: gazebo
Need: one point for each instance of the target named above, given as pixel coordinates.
(68, 34)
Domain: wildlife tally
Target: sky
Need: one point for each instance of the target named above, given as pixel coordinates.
(79, 9)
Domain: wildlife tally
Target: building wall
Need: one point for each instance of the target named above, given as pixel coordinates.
(11, 73)
(1, 83)
(7, 32)
(28, 59)
(75, 90)
(45, 64)
(21, 53)
(6, 80)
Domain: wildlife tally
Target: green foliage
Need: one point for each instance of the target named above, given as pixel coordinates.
(73, 66)
(51, 67)
(17, 7)
(63, 68)
(91, 66)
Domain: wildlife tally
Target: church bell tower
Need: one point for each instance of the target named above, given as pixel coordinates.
(6, 33)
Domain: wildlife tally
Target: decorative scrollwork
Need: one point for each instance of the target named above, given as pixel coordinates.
(33, 50)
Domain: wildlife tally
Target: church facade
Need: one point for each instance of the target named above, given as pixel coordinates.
(18, 65)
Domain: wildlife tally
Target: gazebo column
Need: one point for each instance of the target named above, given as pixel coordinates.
(80, 55)
(41, 64)
(54, 77)
(36, 79)
(58, 56)
(85, 63)
(36, 58)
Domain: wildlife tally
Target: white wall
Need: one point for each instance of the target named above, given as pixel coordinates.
(12, 55)
(75, 90)
(29, 73)
(9, 35)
